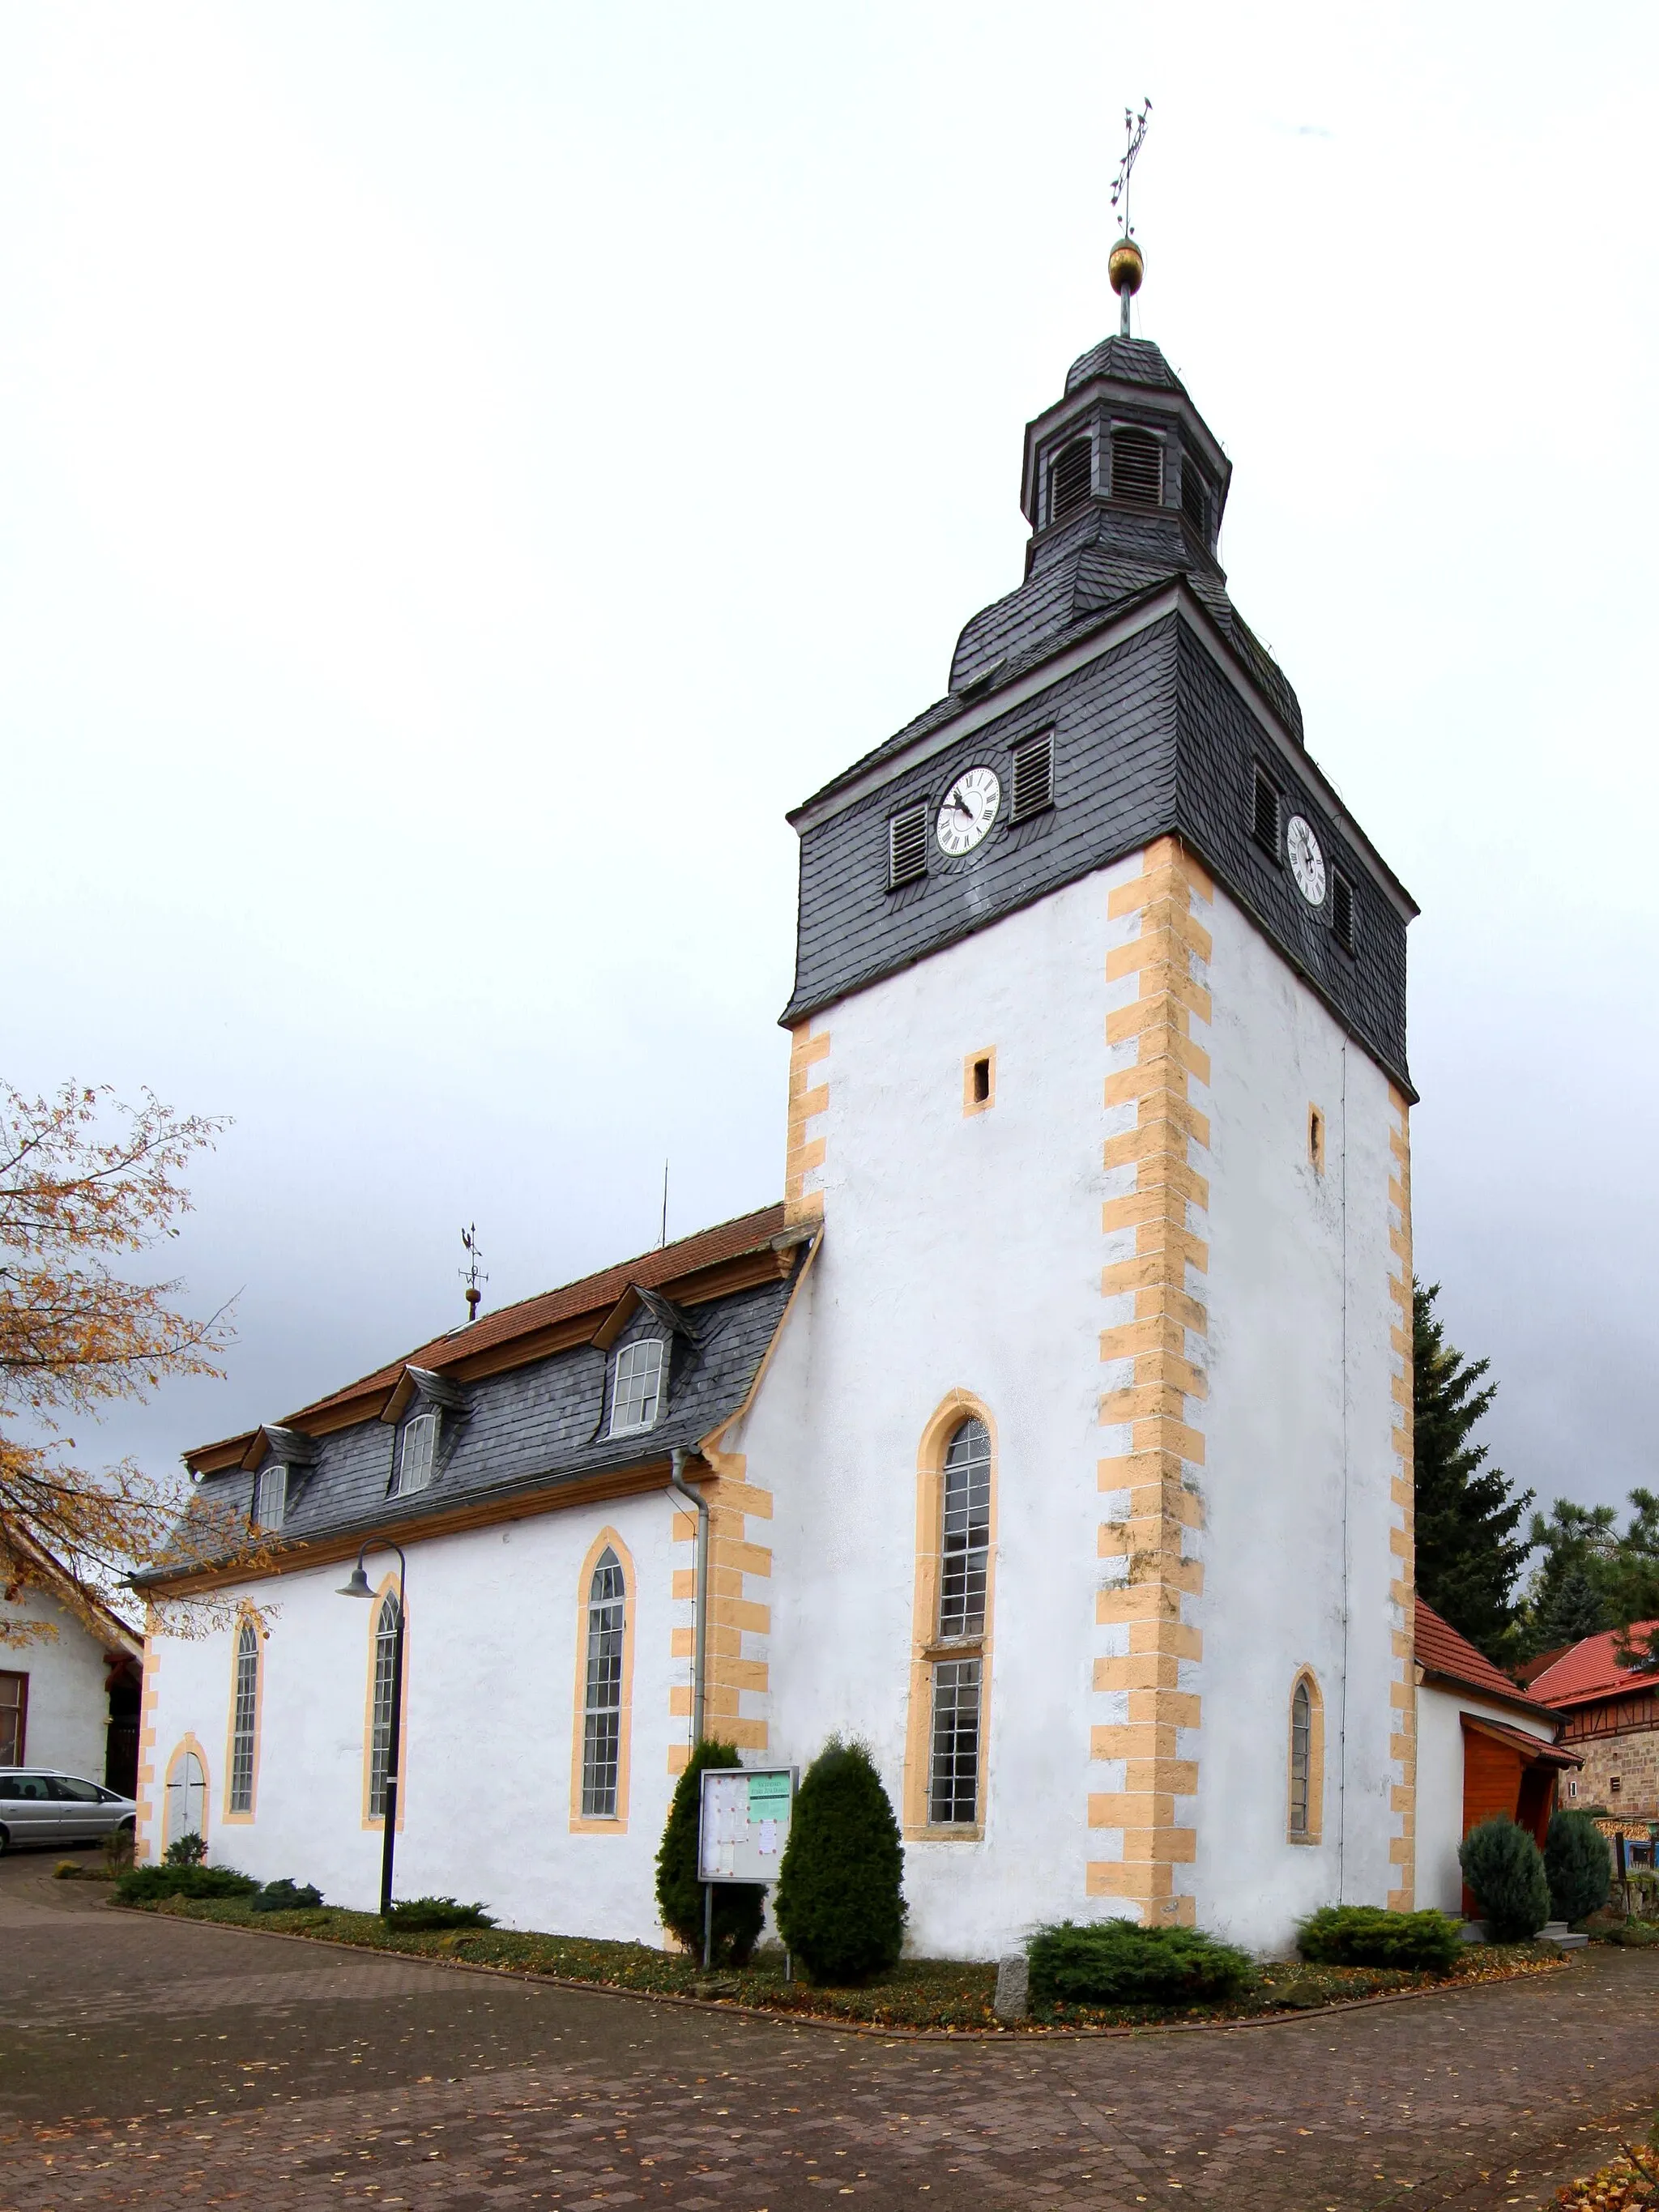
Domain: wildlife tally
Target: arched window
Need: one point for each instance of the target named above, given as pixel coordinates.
(637, 1392)
(607, 1598)
(1307, 1762)
(953, 1788)
(379, 1733)
(244, 1716)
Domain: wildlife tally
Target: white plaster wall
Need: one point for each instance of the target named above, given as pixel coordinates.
(1298, 1434)
(491, 1665)
(962, 1252)
(1440, 1784)
(69, 1704)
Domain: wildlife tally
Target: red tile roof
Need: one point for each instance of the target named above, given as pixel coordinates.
(670, 1263)
(1589, 1669)
(1441, 1650)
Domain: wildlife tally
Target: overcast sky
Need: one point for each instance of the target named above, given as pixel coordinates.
(465, 471)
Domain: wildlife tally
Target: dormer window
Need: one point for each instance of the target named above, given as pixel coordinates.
(270, 1497)
(1137, 468)
(636, 1389)
(1071, 478)
(417, 1460)
(1195, 501)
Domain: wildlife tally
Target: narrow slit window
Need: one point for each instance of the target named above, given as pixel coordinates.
(1301, 1758)
(1137, 468)
(1342, 911)
(244, 1713)
(380, 1737)
(1034, 776)
(636, 1396)
(1264, 813)
(607, 1600)
(1317, 1139)
(1071, 479)
(982, 1082)
(907, 846)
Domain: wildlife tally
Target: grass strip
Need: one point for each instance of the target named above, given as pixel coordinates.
(919, 1993)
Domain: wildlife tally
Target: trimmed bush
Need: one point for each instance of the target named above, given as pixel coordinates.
(1505, 1870)
(739, 1906)
(417, 1912)
(1579, 1867)
(145, 1884)
(286, 1896)
(840, 1902)
(1366, 1936)
(185, 1851)
(1120, 1962)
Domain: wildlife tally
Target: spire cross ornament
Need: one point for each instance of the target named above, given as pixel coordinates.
(1126, 265)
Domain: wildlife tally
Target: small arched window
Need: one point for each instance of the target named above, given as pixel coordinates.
(607, 1602)
(1307, 1762)
(380, 1737)
(245, 1712)
(1137, 468)
(1071, 478)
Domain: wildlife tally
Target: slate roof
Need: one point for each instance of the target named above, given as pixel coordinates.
(542, 1422)
(1442, 1652)
(1589, 1669)
(1127, 361)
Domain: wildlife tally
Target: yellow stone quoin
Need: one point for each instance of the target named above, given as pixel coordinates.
(1162, 1405)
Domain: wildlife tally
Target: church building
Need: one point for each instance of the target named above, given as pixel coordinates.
(1052, 1435)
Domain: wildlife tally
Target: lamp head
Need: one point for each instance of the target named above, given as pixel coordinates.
(358, 1585)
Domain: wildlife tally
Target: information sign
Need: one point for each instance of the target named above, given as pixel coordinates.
(745, 1822)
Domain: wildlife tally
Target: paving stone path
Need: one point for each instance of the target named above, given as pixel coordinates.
(146, 2063)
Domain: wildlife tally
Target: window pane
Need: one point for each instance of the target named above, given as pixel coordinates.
(602, 1724)
(386, 1638)
(13, 1693)
(245, 1693)
(637, 1392)
(966, 1539)
(1301, 1745)
(953, 1794)
(419, 1454)
(271, 1497)
(66, 1788)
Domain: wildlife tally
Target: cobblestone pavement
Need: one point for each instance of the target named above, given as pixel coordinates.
(148, 2062)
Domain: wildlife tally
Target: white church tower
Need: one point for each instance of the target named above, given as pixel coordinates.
(1089, 1435)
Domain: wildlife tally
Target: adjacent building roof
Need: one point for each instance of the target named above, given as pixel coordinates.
(1590, 1669)
(1446, 1656)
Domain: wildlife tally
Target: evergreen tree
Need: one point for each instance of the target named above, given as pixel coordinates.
(839, 1904)
(1467, 1552)
(1573, 1609)
(739, 1906)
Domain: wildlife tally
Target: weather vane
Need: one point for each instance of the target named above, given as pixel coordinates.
(470, 1275)
(1126, 265)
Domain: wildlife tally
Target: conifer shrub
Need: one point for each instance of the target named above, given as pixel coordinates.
(287, 1895)
(145, 1885)
(1504, 1867)
(185, 1851)
(1366, 1936)
(739, 1906)
(1579, 1867)
(839, 1902)
(1120, 1962)
(421, 1912)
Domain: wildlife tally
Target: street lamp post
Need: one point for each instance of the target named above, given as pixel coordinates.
(358, 1587)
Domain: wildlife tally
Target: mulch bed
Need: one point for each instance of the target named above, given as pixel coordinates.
(921, 1994)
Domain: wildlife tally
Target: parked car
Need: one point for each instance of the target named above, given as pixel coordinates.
(39, 1806)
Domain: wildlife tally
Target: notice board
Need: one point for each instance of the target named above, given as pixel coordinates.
(744, 1822)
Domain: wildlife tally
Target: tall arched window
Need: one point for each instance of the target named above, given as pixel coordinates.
(380, 1733)
(244, 1717)
(1307, 1762)
(954, 1784)
(607, 1599)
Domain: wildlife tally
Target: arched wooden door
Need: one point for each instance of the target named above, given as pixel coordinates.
(187, 1813)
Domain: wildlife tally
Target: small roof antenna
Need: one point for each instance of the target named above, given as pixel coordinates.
(663, 1239)
(470, 1275)
(1127, 265)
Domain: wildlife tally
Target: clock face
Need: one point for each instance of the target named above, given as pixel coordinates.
(968, 809)
(1307, 861)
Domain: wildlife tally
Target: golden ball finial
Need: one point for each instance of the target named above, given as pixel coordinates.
(1127, 267)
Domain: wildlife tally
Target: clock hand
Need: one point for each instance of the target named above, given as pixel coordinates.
(958, 804)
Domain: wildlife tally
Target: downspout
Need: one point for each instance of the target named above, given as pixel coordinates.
(677, 1458)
